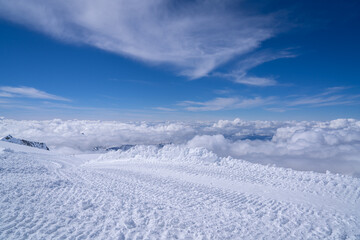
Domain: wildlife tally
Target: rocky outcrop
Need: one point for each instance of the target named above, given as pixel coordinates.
(11, 139)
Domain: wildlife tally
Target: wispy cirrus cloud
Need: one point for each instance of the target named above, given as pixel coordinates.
(225, 103)
(331, 90)
(28, 92)
(240, 73)
(329, 97)
(165, 109)
(316, 100)
(194, 36)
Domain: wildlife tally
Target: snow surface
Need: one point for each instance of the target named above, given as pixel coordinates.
(174, 192)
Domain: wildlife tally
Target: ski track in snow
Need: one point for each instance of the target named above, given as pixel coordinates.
(48, 196)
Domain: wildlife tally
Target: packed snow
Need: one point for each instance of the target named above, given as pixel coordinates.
(172, 192)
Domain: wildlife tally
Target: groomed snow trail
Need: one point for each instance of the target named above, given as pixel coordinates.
(170, 193)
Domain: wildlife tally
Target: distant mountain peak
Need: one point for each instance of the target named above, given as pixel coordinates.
(11, 139)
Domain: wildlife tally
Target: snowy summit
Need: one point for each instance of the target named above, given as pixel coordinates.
(11, 139)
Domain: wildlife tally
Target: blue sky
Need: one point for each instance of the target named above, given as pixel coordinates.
(179, 60)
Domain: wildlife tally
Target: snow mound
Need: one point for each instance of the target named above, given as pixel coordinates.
(11, 139)
(168, 153)
(124, 147)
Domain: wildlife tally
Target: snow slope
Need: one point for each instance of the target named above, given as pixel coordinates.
(175, 192)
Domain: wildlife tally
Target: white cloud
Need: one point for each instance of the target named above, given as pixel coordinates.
(330, 97)
(315, 100)
(275, 104)
(84, 134)
(279, 110)
(6, 94)
(28, 92)
(195, 37)
(165, 109)
(223, 91)
(225, 103)
(240, 73)
(255, 81)
(317, 146)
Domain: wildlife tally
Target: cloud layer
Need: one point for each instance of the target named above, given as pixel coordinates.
(316, 146)
(194, 36)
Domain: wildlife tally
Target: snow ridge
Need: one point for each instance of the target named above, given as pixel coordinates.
(11, 139)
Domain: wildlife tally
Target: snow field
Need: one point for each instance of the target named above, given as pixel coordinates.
(169, 193)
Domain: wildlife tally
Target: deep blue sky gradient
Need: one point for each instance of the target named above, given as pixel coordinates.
(324, 37)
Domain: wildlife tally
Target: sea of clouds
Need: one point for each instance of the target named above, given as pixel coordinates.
(306, 145)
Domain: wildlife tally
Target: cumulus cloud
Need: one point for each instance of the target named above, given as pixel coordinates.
(28, 92)
(84, 135)
(194, 36)
(316, 146)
